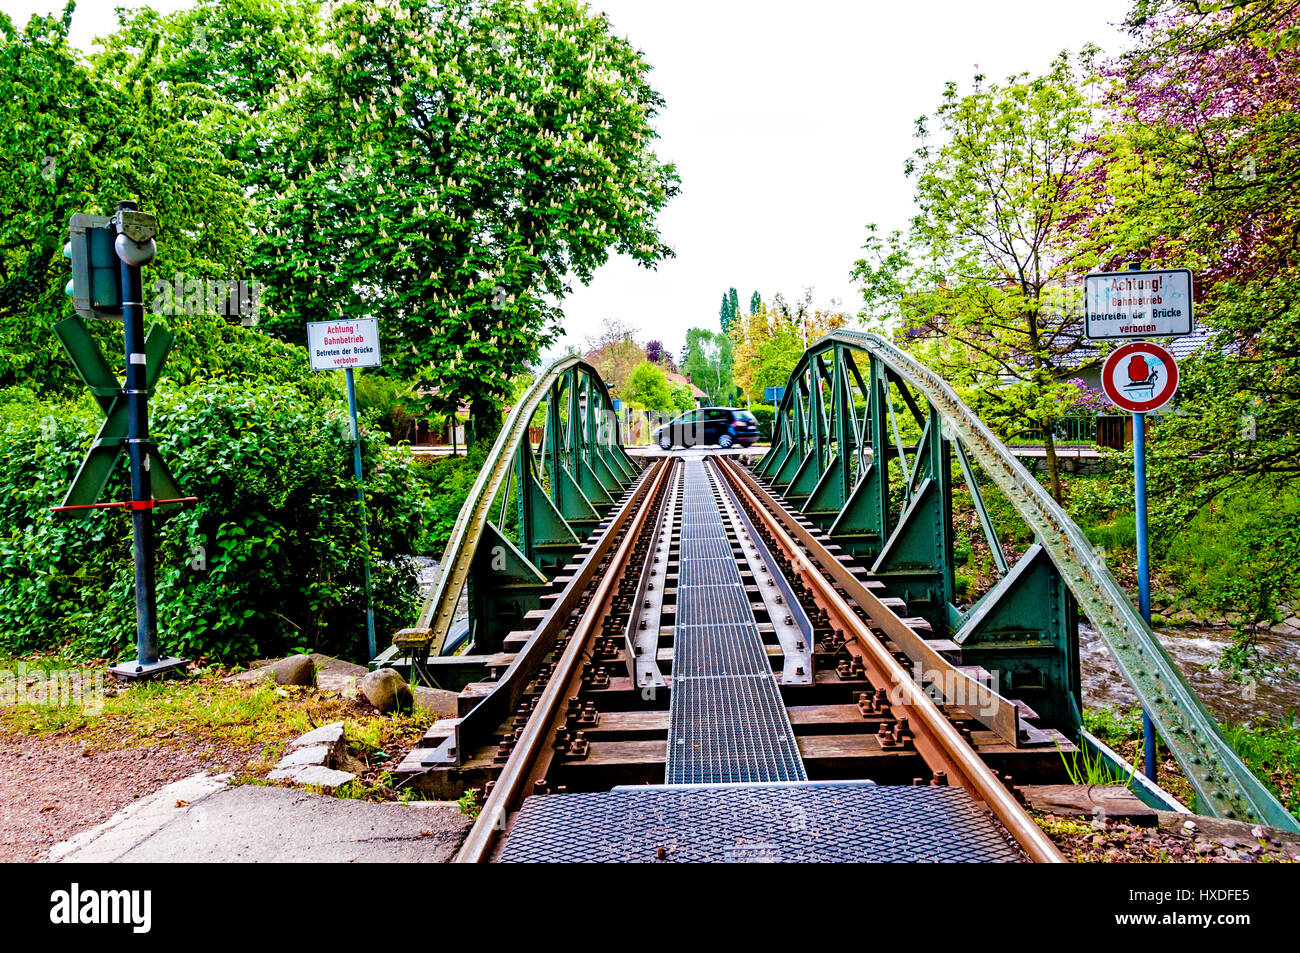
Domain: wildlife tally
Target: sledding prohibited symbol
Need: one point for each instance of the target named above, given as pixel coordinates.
(1140, 377)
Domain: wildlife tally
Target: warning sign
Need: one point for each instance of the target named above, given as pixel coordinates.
(1138, 304)
(353, 342)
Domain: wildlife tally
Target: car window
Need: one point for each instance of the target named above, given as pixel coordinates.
(746, 415)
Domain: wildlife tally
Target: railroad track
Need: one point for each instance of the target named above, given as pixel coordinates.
(710, 678)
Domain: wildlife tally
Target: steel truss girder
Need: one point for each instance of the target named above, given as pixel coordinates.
(1224, 785)
(583, 468)
(503, 585)
(1026, 629)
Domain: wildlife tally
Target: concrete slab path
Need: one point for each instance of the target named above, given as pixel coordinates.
(201, 819)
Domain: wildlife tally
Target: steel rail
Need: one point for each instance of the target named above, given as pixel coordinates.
(475, 727)
(1000, 715)
(439, 609)
(1224, 785)
(532, 752)
(938, 741)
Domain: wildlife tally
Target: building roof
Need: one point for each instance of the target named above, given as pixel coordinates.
(676, 378)
(1180, 347)
(1189, 344)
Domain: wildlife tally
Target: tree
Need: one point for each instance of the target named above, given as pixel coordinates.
(755, 302)
(1202, 169)
(656, 353)
(450, 166)
(77, 136)
(614, 352)
(683, 398)
(769, 341)
(979, 280)
(727, 312)
(647, 388)
(708, 363)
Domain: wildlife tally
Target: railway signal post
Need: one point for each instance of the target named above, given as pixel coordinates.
(107, 256)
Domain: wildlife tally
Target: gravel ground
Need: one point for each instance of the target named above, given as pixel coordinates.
(51, 788)
(1177, 839)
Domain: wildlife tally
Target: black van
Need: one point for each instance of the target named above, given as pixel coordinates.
(723, 426)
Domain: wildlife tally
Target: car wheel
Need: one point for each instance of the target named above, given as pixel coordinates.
(665, 443)
(724, 441)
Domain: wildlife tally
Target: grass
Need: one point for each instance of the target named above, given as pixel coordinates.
(1115, 534)
(1272, 752)
(469, 805)
(1086, 767)
(1063, 827)
(211, 709)
(153, 712)
(1114, 726)
(1121, 730)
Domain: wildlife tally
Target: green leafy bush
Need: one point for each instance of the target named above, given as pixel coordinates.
(269, 559)
(1273, 753)
(447, 481)
(765, 415)
(1097, 498)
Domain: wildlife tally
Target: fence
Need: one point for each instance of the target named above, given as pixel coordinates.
(1065, 430)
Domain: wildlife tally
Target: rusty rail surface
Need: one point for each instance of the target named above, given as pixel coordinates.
(532, 752)
(937, 740)
(996, 713)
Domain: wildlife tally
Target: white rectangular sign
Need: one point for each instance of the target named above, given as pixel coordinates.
(1138, 304)
(348, 342)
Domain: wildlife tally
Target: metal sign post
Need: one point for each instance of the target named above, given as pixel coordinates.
(1141, 377)
(346, 344)
(361, 498)
(1149, 740)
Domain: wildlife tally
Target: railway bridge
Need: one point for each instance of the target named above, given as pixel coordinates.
(692, 658)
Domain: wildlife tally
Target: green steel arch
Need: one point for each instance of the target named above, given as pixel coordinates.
(561, 491)
(835, 436)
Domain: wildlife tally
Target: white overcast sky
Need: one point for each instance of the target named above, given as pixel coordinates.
(789, 123)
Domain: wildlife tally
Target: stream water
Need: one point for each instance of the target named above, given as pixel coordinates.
(428, 569)
(1197, 651)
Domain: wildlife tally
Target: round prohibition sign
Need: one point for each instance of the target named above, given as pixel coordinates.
(1140, 377)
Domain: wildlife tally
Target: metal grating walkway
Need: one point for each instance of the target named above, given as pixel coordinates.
(727, 722)
(792, 822)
